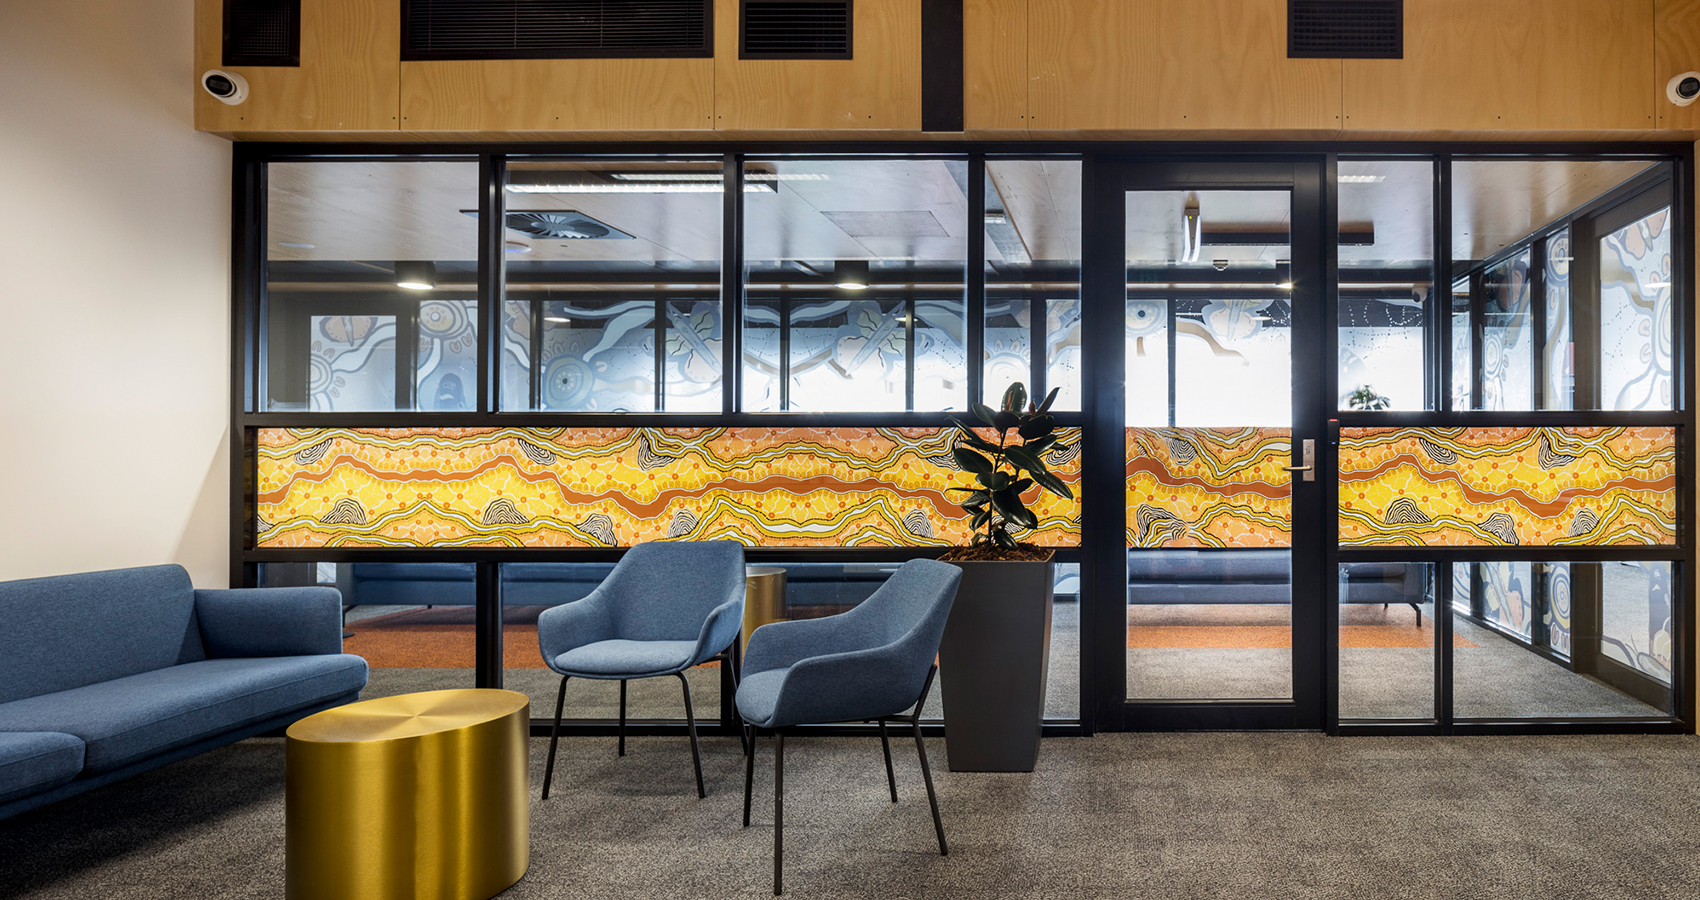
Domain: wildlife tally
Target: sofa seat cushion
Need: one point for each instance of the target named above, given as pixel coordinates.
(614, 659)
(758, 695)
(36, 761)
(130, 719)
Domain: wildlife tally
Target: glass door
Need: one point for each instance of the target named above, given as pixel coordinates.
(1218, 607)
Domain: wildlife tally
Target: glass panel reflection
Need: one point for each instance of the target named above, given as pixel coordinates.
(371, 295)
(1386, 214)
(1635, 315)
(1562, 639)
(1387, 633)
(1508, 341)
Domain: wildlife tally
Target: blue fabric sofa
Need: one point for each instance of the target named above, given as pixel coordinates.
(107, 674)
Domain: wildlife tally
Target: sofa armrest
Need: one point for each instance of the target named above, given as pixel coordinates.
(287, 621)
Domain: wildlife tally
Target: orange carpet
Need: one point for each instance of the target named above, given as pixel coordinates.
(441, 638)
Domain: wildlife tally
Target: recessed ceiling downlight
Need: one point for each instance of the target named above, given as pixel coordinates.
(416, 275)
(296, 245)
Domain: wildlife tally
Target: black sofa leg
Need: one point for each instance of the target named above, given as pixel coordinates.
(1419, 611)
(890, 776)
(779, 813)
(554, 737)
(622, 717)
(691, 725)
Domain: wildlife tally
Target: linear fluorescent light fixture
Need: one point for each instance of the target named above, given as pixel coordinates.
(1362, 179)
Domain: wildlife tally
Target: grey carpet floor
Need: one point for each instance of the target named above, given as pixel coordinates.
(1147, 816)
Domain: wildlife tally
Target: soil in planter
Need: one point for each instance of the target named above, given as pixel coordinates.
(989, 552)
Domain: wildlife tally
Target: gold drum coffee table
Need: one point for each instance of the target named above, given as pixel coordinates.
(415, 797)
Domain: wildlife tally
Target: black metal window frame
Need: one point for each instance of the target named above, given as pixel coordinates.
(248, 288)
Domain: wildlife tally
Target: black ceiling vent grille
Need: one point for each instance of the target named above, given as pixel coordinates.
(1345, 29)
(556, 29)
(262, 32)
(794, 29)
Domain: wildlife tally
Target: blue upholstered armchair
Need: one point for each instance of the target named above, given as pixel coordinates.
(666, 607)
(872, 662)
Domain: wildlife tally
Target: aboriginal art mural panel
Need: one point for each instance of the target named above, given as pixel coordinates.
(615, 487)
(1559, 363)
(1507, 486)
(1635, 315)
(1636, 621)
(1209, 487)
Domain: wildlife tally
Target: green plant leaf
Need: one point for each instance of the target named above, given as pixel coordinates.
(1039, 445)
(971, 461)
(1003, 539)
(1015, 397)
(980, 518)
(973, 440)
(1053, 484)
(1025, 460)
(977, 500)
(1008, 504)
(1049, 399)
(983, 411)
(1038, 426)
(1003, 420)
(994, 481)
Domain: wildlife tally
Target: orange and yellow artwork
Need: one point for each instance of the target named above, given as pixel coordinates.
(1209, 487)
(1507, 486)
(616, 487)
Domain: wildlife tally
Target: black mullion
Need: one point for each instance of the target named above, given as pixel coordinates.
(1038, 313)
(1683, 375)
(1443, 282)
(1169, 305)
(1443, 575)
(1537, 283)
(535, 369)
(975, 279)
(492, 277)
(659, 329)
(732, 283)
(407, 355)
(1585, 312)
(785, 352)
(1103, 570)
(1478, 317)
(487, 624)
(247, 382)
(909, 354)
(1542, 553)
(1327, 399)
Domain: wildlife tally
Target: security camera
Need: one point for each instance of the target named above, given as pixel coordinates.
(1683, 89)
(228, 87)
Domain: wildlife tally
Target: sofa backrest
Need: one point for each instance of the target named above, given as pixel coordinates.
(74, 630)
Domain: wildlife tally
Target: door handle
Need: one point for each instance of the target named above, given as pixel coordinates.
(1308, 455)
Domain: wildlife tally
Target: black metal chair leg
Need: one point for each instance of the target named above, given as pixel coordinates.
(890, 776)
(926, 770)
(554, 737)
(778, 813)
(749, 776)
(932, 798)
(622, 717)
(1419, 611)
(691, 725)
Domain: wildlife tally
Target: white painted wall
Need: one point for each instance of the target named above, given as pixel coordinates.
(114, 286)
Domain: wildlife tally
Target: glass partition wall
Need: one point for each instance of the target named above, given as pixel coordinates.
(467, 381)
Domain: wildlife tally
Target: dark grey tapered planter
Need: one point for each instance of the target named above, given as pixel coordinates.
(996, 653)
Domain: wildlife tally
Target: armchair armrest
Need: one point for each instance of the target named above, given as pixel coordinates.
(286, 621)
(572, 625)
(720, 630)
(844, 686)
(778, 645)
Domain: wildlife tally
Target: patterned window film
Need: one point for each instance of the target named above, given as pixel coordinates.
(615, 487)
(1209, 487)
(1511, 487)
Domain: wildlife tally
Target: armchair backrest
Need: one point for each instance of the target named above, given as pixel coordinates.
(664, 590)
(907, 614)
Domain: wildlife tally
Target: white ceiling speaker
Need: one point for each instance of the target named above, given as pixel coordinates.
(226, 87)
(1683, 89)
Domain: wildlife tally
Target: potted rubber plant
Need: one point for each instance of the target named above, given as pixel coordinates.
(997, 642)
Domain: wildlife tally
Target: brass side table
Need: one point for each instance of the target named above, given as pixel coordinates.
(415, 797)
(764, 598)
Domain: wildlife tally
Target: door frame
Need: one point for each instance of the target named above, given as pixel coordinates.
(1315, 611)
